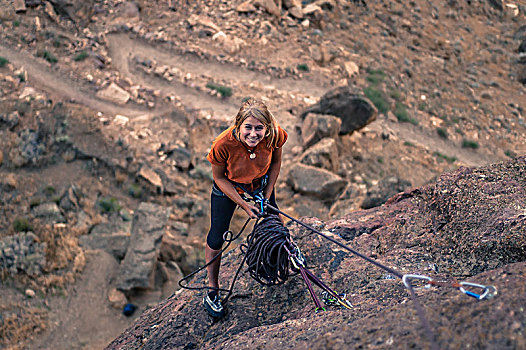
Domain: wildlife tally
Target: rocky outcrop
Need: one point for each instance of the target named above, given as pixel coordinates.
(313, 181)
(22, 253)
(355, 111)
(323, 154)
(148, 227)
(316, 127)
(469, 225)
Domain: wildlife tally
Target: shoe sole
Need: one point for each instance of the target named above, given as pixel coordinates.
(213, 313)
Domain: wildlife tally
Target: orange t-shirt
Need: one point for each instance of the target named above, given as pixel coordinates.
(230, 152)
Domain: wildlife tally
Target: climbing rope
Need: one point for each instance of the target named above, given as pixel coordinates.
(228, 237)
(266, 251)
(270, 249)
(487, 291)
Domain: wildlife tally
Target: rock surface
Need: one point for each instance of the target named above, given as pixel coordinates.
(447, 78)
(138, 266)
(469, 225)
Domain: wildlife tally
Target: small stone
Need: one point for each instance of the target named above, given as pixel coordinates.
(30, 293)
(246, 6)
(121, 120)
(50, 11)
(27, 92)
(117, 299)
(115, 94)
(151, 176)
(20, 6)
(296, 12)
(10, 180)
(351, 68)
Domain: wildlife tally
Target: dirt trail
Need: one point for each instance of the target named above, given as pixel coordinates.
(122, 50)
(83, 319)
(53, 82)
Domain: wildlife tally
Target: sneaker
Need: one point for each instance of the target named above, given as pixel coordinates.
(213, 305)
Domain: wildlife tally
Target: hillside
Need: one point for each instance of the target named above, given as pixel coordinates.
(108, 108)
(469, 225)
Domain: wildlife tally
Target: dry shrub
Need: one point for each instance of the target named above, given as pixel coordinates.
(20, 326)
(62, 246)
(56, 282)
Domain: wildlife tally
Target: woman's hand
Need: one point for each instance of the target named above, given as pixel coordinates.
(251, 210)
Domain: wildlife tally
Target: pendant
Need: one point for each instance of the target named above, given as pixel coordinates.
(252, 155)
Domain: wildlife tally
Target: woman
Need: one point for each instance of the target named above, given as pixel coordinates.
(245, 157)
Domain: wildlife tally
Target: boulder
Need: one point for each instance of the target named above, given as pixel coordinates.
(314, 181)
(31, 149)
(351, 68)
(318, 126)
(354, 110)
(152, 177)
(48, 212)
(270, 6)
(294, 7)
(70, 199)
(323, 155)
(22, 253)
(138, 266)
(128, 9)
(246, 6)
(468, 226)
(115, 94)
(20, 6)
(112, 237)
(498, 4)
(10, 120)
(117, 298)
(181, 157)
(77, 11)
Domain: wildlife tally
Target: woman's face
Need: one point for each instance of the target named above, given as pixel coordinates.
(252, 131)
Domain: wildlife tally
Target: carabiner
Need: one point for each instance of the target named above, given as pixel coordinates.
(296, 262)
(319, 308)
(488, 292)
(405, 279)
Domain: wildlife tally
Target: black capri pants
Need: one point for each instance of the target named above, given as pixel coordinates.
(222, 210)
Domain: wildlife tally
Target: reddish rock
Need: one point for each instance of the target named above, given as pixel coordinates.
(469, 225)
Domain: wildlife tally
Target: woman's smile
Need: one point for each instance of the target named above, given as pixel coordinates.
(252, 132)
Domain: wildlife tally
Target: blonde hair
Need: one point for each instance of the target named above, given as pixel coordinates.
(257, 109)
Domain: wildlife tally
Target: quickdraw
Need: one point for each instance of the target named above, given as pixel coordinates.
(488, 292)
(329, 296)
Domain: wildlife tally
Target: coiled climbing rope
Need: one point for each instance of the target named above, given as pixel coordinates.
(267, 251)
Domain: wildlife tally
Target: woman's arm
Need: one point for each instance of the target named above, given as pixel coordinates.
(273, 172)
(218, 171)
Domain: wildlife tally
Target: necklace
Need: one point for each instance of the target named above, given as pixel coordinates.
(251, 151)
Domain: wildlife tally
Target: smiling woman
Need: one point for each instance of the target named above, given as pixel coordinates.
(245, 157)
